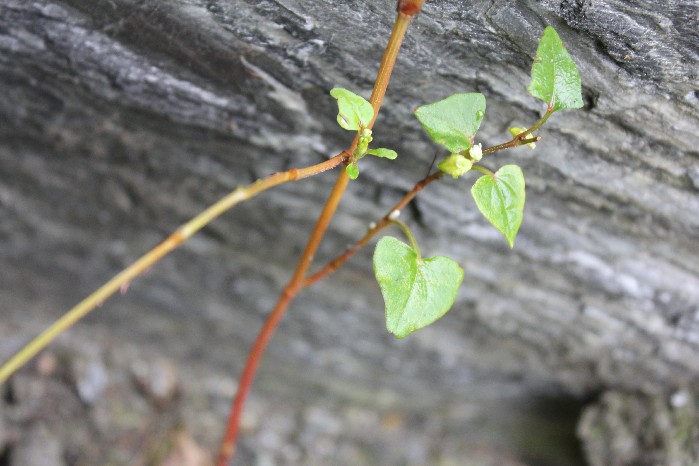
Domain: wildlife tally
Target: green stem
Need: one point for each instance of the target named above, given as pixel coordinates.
(530, 140)
(538, 124)
(409, 235)
(483, 170)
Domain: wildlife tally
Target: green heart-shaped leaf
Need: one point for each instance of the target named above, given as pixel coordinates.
(555, 79)
(354, 111)
(500, 198)
(416, 291)
(453, 122)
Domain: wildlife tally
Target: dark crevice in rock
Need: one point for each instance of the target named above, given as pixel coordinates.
(590, 99)
(6, 456)
(563, 447)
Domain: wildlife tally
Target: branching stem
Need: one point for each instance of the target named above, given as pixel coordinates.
(144, 263)
(333, 265)
(522, 138)
(227, 448)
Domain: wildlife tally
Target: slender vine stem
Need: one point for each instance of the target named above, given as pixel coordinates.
(406, 10)
(227, 448)
(539, 123)
(146, 261)
(521, 139)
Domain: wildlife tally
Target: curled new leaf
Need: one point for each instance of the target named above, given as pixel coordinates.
(353, 170)
(555, 79)
(416, 291)
(453, 122)
(500, 198)
(354, 111)
(455, 165)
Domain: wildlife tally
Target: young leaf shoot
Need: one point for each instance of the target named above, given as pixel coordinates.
(355, 112)
(353, 170)
(455, 165)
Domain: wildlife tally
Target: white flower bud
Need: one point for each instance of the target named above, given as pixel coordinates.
(476, 152)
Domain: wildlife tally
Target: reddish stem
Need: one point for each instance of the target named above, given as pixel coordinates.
(227, 448)
(521, 138)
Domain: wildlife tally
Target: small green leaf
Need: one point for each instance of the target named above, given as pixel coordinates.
(500, 198)
(354, 111)
(517, 130)
(416, 291)
(454, 121)
(555, 79)
(381, 152)
(353, 170)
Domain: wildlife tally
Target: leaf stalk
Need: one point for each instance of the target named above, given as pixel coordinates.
(408, 234)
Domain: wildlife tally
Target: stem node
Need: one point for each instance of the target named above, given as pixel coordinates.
(409, 7)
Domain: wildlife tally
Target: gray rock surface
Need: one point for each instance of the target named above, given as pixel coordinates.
(120, 120)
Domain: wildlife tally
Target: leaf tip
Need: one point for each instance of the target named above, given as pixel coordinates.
(399, 334)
